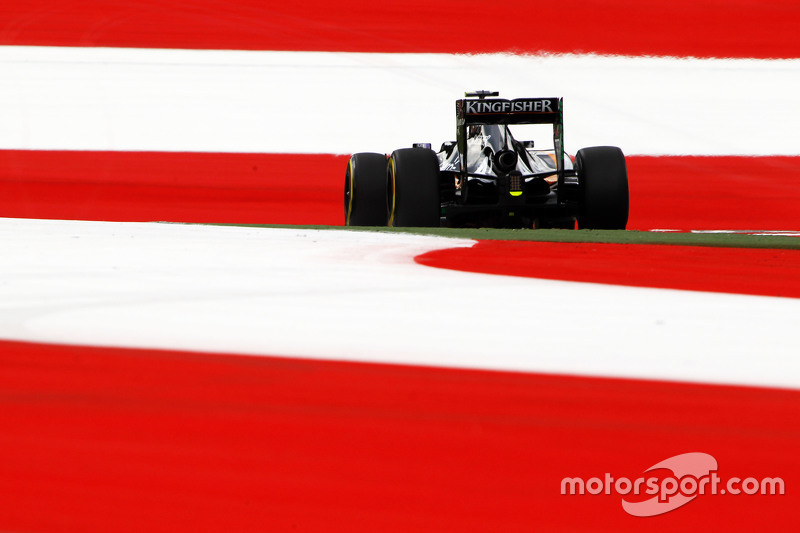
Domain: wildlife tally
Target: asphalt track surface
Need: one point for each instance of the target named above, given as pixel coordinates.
(99, 439)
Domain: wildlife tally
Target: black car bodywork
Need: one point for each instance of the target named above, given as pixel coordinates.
(487, 178)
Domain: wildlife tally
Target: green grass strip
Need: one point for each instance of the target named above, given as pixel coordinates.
(725, 240)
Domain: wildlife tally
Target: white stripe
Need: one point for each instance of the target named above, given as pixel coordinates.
(359, 297)
(316, 102)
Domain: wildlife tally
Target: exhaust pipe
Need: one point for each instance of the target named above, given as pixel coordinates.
(505, 161)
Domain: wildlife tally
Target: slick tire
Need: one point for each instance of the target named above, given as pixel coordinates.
(365, 190)
(413, 188)
(603, 178)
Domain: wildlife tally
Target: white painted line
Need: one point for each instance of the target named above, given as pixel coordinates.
(360, 297)
(322, 102)
(777, 233)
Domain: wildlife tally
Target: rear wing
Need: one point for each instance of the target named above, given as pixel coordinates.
(472, 111)
(519, 111)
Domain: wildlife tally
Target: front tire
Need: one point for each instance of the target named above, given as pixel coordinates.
(603, 178)
(365, 190)
(413, 188)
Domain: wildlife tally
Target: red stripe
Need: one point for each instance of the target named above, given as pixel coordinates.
(714, 192)
(706, 28)
(666, 192)
(732, 270)
(175, 187)
(98, 439)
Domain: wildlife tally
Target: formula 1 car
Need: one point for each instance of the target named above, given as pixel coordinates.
(487, 178)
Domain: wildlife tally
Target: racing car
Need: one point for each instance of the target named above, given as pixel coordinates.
(488, 178)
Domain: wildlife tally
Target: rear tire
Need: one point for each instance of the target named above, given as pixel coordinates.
(365, 190)
(603, 178)
(413, 188)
